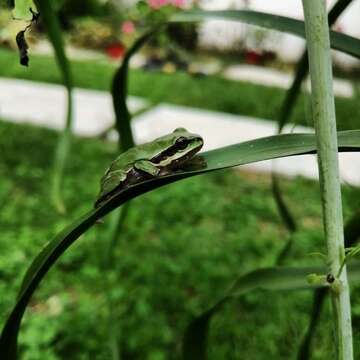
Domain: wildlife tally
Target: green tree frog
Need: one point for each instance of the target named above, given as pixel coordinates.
(157, 158)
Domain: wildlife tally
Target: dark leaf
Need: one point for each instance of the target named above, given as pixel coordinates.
(271, 279)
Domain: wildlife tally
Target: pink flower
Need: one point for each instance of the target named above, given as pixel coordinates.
(156, 4)
(128, 27)
(178, 3)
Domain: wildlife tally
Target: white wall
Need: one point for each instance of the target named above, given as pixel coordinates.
(224, 34)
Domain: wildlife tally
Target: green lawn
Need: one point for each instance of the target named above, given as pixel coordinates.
(212, 92)
(181, 247)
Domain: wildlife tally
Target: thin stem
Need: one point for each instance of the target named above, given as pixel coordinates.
(317, 35)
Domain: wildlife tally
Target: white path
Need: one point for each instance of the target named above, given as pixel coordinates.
(43, 105)
(271, 77)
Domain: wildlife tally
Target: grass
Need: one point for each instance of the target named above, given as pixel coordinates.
(181, 247)
(211, 92)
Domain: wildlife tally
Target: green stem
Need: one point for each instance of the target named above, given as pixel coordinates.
(317, 35)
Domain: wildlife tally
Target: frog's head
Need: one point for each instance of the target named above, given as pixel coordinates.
(178, 147)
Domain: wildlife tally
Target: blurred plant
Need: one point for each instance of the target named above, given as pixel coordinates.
(70, 10)
(157, 4)
(167, 46)
(128, 27)
(153, 12)
(92, 33)
(9, 28)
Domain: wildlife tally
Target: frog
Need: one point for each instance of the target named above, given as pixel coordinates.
(162, 156)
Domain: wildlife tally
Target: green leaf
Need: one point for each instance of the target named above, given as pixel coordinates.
(275, 278)
(119, 93)
(194, 346)
(342, 42)
(233, 155)
(53, 30)
(271, 279)
(22, 9)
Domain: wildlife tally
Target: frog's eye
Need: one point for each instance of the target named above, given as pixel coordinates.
(181, 143)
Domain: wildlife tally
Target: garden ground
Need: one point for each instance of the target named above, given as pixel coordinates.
(181, 247)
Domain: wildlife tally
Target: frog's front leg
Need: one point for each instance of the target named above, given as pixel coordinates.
(147, 167)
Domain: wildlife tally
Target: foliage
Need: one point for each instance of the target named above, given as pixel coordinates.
(70, 9)
(150, 14)
(92, 33)
(22, 9)
(153, 13)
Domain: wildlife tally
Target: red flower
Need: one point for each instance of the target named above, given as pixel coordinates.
(115, 50)
(252, 57)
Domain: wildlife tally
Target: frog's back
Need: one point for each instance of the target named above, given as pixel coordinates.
(126, 160)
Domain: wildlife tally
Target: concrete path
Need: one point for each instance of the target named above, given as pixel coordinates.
(271, 77)
(43, 105)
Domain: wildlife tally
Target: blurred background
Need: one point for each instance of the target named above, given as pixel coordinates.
(183, 245)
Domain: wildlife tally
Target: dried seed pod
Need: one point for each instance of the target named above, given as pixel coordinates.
(35, 16)
(23, 47)
(21, 40)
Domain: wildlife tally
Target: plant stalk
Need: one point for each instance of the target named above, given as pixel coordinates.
(323, 107)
